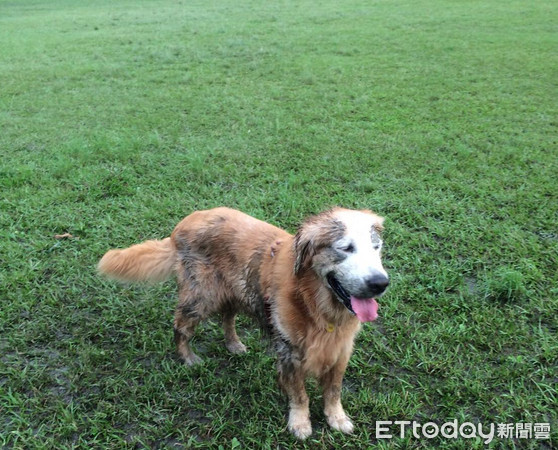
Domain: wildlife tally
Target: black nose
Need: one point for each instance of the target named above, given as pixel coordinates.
(377, 284)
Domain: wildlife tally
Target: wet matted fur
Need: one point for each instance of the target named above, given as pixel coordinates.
(309, 291)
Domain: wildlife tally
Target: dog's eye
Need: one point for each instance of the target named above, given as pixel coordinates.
(377, 247)
(350, 248)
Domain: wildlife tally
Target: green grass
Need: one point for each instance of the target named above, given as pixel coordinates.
(118, 118)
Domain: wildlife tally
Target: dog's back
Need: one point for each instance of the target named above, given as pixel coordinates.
(222, 253)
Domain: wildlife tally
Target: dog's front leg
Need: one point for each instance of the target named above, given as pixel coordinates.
(299, 412)
(291, 380)
(331, 383)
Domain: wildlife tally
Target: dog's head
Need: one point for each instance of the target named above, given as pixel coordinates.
(343, 247)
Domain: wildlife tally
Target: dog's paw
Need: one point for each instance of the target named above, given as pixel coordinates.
(236, 347)
(299, 424)
(301, 430)
(192, 360)
(341, 423)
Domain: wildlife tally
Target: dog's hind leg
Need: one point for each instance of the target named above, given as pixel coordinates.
(186, 318)
(232, 341)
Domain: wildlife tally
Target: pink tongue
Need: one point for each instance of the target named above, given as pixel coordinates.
(365, 309)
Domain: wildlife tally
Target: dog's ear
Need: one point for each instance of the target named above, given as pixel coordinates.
(307, 240)
(317, 232)
(303, 250)
(378, 224)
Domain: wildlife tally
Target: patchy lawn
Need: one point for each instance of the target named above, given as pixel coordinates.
(118, 118)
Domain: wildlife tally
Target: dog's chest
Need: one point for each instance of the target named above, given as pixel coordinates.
(324, 350)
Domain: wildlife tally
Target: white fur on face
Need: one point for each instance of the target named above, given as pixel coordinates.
(361, 246)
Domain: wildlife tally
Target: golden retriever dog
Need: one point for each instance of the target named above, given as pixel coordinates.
(309, 292)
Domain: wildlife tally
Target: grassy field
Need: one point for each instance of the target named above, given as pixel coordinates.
(118, 118)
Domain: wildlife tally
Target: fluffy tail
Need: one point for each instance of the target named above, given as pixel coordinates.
(149, 261)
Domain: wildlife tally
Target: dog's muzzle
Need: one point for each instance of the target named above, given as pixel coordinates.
(343, 296)
(375, 285)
